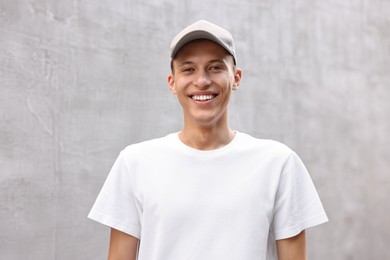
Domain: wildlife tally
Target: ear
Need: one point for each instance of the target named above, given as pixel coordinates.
(237, 78)
(171, 83)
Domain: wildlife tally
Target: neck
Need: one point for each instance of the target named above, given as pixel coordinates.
(206, 138)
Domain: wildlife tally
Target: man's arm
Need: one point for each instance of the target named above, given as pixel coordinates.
(293, 248)
(122, 246)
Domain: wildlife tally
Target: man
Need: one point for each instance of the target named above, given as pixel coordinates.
(207, 192)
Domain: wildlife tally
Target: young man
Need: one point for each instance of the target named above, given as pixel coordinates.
(207, 192)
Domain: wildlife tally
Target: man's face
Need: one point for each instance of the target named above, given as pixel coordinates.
(203, 77)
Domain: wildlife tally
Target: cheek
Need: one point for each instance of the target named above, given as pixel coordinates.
(182, 83)
(227, 83)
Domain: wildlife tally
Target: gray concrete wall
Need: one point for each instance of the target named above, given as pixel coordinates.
(80, 80)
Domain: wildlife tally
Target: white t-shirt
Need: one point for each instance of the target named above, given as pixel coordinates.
(231, 203)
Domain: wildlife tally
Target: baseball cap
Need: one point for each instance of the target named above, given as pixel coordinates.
(203, 30)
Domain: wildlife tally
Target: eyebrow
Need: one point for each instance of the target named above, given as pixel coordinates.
(210, 61)
(217, 60)
(186, 63)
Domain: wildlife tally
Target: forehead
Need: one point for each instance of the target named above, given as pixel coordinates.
(201, 48)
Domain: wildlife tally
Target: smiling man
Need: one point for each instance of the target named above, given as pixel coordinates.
(207, 192)
(203, 76)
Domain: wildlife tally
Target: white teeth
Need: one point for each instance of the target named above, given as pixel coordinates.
(202, 97)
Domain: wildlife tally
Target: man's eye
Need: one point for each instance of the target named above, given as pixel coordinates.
(216, 68)
(187, 69)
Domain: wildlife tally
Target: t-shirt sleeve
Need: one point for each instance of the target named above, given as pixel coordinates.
(116, 206)
(297, 204)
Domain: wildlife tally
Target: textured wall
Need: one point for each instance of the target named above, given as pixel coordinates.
(80, 80)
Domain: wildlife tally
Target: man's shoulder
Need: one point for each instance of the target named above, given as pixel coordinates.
(151, 145)
(264, 148)
(261, 143)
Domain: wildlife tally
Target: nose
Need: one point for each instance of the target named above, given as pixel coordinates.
(202, 79)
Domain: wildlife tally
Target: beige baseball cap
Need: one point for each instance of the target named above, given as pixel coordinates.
(203, 30)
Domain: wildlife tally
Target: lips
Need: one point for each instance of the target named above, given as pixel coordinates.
(203, 97)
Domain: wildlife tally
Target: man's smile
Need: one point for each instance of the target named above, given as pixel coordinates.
(203, 97)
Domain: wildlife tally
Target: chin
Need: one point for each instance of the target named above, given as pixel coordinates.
(207, 121)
